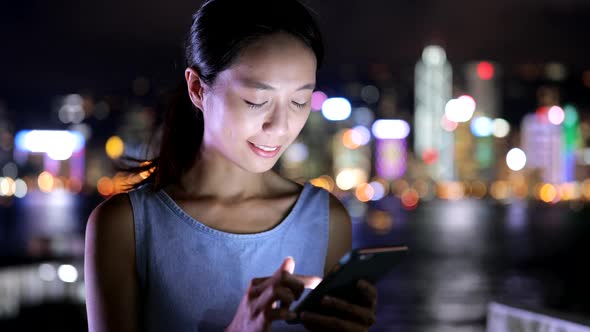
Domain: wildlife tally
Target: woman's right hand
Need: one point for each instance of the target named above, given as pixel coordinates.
(259, 308)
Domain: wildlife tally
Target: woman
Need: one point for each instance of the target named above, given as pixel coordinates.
(208, 242)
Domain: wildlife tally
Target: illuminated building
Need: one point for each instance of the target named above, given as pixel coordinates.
(433, 88)
(482, 85)
(542, 143)
(57, 146)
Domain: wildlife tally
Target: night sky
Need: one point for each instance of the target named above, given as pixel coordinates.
(60, 47)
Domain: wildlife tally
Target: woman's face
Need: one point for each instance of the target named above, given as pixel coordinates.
(258, 106)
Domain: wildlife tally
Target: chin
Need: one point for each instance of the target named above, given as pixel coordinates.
(261, 167)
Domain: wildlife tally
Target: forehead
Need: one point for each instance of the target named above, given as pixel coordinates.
(279, 60)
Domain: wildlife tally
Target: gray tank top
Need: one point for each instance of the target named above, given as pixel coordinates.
(192, 277)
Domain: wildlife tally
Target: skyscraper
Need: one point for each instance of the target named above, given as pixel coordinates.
(433, 88)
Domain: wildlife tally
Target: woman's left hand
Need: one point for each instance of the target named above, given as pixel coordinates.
(348, 317)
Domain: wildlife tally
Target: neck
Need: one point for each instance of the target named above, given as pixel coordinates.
(212, 175)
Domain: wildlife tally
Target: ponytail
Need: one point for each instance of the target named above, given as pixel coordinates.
(182, 133)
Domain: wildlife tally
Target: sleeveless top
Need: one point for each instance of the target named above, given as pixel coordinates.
(192, 277)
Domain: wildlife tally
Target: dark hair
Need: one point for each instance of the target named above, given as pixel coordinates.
(220, 30)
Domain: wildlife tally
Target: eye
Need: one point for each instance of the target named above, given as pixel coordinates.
(254, 105)
(302, 106)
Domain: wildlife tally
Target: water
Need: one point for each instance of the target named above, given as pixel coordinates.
(463, 254)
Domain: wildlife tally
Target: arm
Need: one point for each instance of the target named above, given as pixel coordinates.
(109, 267)
(340, 237)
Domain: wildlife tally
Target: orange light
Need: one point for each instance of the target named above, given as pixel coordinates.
(350, 140)
(451, 190)
(380, 221)
(499, 190)
(478, 189)
(105, 186)
(548, 193)
(115, 147)
(520, 190)
(569, 191)
(324, 181)
(364, 192)
(45, 182)
(410, 199)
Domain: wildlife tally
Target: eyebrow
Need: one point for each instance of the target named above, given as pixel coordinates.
(263, 86)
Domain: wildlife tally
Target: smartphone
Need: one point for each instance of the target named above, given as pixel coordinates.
(369, 264)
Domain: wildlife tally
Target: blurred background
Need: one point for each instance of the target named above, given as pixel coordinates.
(459, 128)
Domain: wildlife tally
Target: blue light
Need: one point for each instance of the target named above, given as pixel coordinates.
(336, 109)
(482, 126)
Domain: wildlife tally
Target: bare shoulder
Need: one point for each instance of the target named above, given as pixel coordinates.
(340, 234)
(115, 207)
(112, 222)
(109, 267)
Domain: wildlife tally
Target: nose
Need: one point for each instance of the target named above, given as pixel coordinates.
(277, 124)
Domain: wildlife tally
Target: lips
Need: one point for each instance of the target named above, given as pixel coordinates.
(264, 151)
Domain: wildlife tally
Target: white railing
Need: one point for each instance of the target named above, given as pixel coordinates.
(504, 318)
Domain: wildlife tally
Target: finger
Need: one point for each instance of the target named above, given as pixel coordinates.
(271, 294)
(308, 281)
(368, 293)
(288, 265)
(257, 286)
(280, 314)
(317, 322)
(357, 313)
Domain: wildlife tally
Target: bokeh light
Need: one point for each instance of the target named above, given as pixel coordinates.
(501, 128)
(364, 192)
(460, 109)
(45, 181)
(370, 94)
(7, 186)
(482, 126)
(380, 221)
(410, 199)
(10, 170)
(47, 272)
(556, 115)
(447, 124)
(485, 70)
(324, 181)
(296, 153)
(348, 178)
(390, 129)
(67, 273)
(114, 147)
(351, 139)
(379, 190)
(317, 100)
(20, 188)
(516, 159)
(364, 135)
(500, 190)
(105, 186)
(336, 109)
(548, 193)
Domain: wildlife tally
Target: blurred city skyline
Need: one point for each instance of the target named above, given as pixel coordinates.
(101, 47)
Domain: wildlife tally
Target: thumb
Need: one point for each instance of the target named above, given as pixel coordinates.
(288, 265)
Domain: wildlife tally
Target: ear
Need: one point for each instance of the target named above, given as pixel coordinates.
(195, 87)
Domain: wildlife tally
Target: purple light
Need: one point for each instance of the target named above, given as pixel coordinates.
(391, 158)
(317, 99)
